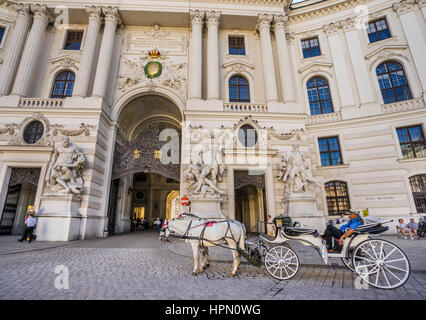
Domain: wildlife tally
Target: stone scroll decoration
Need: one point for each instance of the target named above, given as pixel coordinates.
(143, 155)
(295, 171)
(60, 129)
(64, 174)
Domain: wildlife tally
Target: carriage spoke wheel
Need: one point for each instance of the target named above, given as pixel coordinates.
(281, 262)
(381, 264)
(347, 261)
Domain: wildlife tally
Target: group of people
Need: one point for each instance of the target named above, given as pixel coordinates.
(146, 223)
(418, 229)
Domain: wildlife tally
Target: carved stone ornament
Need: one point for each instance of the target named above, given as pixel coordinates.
(94, 13)
(21, 175)
(9, 128)
(40, 11)
(64, 174)
(212, 18)
(295, 133)
(243, 178)
(111, 14)
(295, 171)
(65, 62)
(84, 130)
(264, 20)
(196, 16)
(172, 75)
(404, 6)
(23, 10)
(44, 141)
(332, 28)
(205, 171)
(140, 156)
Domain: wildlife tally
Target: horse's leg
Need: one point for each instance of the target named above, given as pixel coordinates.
(207, 258)
(195, 254)
(233, 245)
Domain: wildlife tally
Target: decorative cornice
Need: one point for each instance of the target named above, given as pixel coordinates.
(238, 63)
(404, 6)
(112, 14)
(212, 18)
(66, 61)
(332, 28)
(348, 24)
(389, 49)
(315, 67)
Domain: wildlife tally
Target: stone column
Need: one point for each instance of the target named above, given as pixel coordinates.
(270, 190)
(270, 82)
(362, 76)
(413, 31)
(333, 31)
(32, 49)
(196, 55)
(284, 61)
(112, 19)
(422, 5)
(85, 71)
(213, 55)
(14, 49)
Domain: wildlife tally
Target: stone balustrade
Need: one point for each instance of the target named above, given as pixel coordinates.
(40, 103)
(403, 105)
(325, 117)
(244, 107)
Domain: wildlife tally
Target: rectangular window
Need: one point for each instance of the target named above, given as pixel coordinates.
(236, 45)
(2, 31)
(311, 48)
(412, 142)
(378, 30)
(73, 41)
(330, 151)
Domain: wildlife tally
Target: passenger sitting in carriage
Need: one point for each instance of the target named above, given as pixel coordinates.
(345, 231)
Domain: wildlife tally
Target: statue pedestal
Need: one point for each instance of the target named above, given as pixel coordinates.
(301, 207)
(59, 218)
(206, 207)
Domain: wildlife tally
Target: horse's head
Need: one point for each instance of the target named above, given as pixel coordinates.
(165, 231)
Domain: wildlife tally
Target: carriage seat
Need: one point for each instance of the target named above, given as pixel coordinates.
(297, 231)
(371, 228)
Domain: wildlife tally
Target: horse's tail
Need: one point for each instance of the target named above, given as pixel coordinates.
(242, 237)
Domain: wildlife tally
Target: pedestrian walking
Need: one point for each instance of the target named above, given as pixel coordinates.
(30, 225)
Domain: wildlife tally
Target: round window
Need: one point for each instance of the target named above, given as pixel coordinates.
(247, 135)
(140, 195)
(33, 132)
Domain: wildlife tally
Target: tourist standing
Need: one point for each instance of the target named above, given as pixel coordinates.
(30, 225)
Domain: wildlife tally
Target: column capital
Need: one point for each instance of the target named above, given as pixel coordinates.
(94, 13)
(280, 21)
(332, 28)
(212, 18)
(404, 6)
(348, 24)
(112, 14)
(290, 36)
(422, 3)
(264, 20)
(40, 11)
(196, 16)
(23, 10)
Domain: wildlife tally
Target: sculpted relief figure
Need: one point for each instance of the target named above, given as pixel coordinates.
(203, 178)
(65, 171)
(296, 172)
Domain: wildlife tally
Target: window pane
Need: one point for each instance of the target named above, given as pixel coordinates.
(73, 41)
(2, 31)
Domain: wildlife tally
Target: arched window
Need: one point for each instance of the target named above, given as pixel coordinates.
(418, 188)
(393, 83)
(64, 85)
(337, 197)
(319, 96)
(239, 90)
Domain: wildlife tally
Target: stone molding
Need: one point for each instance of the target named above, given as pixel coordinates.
(404, 6)
(332, 28)
(65, 62)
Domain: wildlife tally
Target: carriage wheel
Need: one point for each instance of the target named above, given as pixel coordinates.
(347, 261)
(281, 262)
(381, 264)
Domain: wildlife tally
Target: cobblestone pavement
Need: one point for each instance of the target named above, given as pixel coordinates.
(136, 266)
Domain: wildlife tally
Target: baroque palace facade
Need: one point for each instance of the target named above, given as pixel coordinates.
(315, 106)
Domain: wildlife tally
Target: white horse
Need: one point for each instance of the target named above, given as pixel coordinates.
(203, 234)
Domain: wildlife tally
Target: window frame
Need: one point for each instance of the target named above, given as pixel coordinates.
(414, 198)
(377, 32)
(310, 48)
(329, 151)
(5, 34)
(67, 31)
(52, 96)
(35, 140)
(238, 86)
(391, 82)
(320, 100)
(336, 197)
(244, 42)
(411, 143)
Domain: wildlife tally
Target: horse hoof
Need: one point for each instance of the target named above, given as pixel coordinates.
(201, 271)
(233, 275)
(207, 265)
(194, 273)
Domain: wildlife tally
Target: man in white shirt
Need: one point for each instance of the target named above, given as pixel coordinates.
(30, 225)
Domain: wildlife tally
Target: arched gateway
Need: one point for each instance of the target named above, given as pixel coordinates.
(146, 165)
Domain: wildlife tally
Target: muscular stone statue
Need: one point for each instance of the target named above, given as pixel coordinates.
(65, 171)
(202, 177)
(296, 171)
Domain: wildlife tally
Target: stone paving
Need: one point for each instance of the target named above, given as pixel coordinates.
(137, 266)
